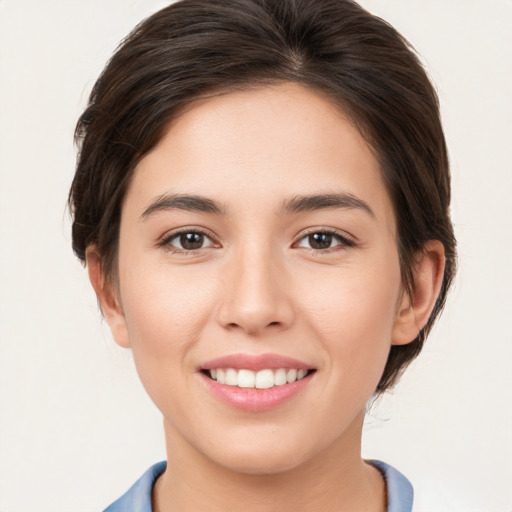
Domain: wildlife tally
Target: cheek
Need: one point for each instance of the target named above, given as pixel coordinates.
(354, 314)
(165, 312)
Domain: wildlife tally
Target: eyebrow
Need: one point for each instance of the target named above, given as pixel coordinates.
(325, 201)
(191, 203)
(296, 204)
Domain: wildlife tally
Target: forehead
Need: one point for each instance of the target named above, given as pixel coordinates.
(259, 147)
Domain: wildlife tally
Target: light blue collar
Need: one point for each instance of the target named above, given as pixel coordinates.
(138, 497)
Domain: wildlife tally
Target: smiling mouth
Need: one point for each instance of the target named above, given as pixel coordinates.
(262, 379)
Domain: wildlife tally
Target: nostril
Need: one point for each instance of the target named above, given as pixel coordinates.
(234, 324)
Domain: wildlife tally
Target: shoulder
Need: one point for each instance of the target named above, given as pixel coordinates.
(138, 497)
(399, 489)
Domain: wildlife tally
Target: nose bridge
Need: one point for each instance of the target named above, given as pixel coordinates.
(256, 293)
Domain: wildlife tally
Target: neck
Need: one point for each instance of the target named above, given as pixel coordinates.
(335, 480)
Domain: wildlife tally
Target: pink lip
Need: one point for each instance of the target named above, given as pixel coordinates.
(252, 399)
(255, 400)
(255, 362)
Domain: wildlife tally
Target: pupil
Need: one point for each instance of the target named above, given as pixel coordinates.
(320, 240)
(191, 240)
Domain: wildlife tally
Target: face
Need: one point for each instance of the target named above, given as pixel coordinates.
(257, 248)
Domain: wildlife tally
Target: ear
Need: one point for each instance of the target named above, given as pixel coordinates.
(107, 298)
(415, 308)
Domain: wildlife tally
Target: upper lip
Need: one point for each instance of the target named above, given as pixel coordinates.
(255, 362)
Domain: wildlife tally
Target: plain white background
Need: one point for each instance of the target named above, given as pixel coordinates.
(76, 428)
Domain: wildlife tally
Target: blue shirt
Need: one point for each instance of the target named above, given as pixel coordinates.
(138, 497)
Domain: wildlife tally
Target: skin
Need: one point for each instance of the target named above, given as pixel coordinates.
(257, 286)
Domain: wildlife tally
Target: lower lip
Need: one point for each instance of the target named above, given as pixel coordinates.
(255, 400)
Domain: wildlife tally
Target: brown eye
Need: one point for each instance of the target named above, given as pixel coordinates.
(324, 240)
(320, 240)
(189, 241)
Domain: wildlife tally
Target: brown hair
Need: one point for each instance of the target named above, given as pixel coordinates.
(198, 47)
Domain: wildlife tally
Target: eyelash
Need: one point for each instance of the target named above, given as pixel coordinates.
(344, 241)
(166, 241)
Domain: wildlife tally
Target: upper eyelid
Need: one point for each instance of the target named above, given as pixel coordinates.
(170, 235)
(343, 235)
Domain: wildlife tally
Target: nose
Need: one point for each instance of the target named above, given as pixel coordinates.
(256, 295)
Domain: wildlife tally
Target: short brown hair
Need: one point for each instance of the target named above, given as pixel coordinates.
(194, 48)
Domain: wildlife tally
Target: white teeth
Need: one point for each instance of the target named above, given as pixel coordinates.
(291, 376)
(246, 379)
(263, 379)
(221, 376)
(280, 377)
(231, 377)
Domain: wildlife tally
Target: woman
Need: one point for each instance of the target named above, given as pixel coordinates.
(262, 201)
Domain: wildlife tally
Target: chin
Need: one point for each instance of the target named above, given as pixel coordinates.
(272, 457)
(262, 463)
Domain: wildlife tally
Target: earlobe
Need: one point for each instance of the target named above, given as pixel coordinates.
(107, 298)
(415, 308)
